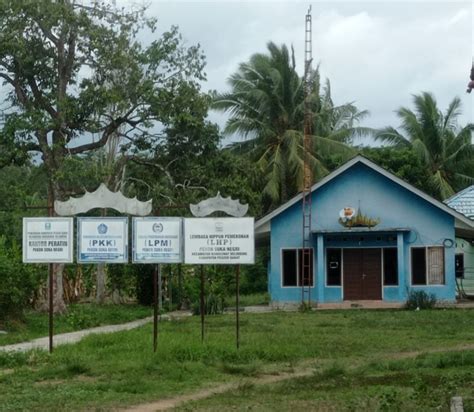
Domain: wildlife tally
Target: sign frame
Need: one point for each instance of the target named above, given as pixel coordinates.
(137, 219)
(123, 219)
(70, 239)
(188, 260)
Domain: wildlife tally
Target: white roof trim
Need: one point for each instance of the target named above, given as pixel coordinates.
(372, 165)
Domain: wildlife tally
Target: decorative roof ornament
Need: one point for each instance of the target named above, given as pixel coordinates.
(349, 218)
(103, 198)
(219, 204)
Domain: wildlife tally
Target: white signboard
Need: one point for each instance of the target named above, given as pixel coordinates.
(47, 240)
(102, 240)
(157, 240)
(226, 241)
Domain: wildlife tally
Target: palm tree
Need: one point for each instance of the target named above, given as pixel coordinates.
(443, 146)
(266, 107)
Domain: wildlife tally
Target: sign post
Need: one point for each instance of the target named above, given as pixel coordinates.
(237, 320)
(225, 241)
(157, 240)
(202, 309)
(155, 306)
(48, 240)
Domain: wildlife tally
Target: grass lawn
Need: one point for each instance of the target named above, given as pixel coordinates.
(425, 383)
(79, 316)
(357, 357)
(254, 299)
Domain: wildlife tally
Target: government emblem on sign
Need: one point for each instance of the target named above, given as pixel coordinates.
(157, 228)
(47, 226)
(102, 229)
(219, 227)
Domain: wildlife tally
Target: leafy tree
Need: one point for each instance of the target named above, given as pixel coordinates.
(266, 105)
(443, 147)
(403, 162)
(20, 187)
(75, 74)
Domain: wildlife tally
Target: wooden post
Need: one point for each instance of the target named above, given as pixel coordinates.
(237, 320)
(202, 303)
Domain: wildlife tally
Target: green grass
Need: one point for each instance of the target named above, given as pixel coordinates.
(354, 355)
(426, 383)
(79, 316)
(248, 300)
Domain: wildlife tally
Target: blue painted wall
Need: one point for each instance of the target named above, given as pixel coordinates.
(377, 197)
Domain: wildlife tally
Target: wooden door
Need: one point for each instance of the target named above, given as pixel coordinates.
(352, 267)
(362, 274)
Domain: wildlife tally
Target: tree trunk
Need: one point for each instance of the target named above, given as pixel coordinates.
(59, 306)
(101, 290)
(117, 297)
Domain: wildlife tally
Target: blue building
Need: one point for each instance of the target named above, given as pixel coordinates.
(463, 202)
(373, 237)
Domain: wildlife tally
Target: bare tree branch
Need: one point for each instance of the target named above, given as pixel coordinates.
(155, 165)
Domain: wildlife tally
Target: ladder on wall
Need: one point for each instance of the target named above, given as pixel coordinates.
(306, 255)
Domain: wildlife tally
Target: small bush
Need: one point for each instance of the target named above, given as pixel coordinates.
(78, 319)
(419, 299)
(19, 282)
(214, 304)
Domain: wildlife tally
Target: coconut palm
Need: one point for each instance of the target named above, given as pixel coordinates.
(439, 142)
(266, 107)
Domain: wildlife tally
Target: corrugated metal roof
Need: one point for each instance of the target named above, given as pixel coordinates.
(463, 202)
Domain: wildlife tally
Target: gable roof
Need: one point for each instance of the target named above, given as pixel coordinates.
(263, 225)
(463, 202)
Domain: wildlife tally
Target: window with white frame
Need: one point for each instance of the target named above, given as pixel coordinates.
(292, 267)
(427, 265)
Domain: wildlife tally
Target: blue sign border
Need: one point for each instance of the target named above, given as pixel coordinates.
(162, 219)
(103, 219)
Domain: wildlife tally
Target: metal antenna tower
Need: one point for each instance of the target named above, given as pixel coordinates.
(306, 256)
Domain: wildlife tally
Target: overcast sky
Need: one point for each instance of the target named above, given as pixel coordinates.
(376, 53)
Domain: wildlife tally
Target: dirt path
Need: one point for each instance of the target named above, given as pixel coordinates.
(165, 404)
(302, 371)
(73, 337)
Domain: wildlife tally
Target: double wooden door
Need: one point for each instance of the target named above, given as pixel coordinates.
(362, 274)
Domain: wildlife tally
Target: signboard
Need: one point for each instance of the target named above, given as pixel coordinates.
(157, 240)
(226, 241)
(47, 240)
(102, 240)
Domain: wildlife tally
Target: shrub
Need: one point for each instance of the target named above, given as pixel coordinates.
(19, 282)
(419, 299)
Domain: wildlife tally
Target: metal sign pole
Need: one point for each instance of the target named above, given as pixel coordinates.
(155, 307)
(206, 208)
(202, 303)
(50, 270)
(237, 320)
(170, 289)
(51, 273)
